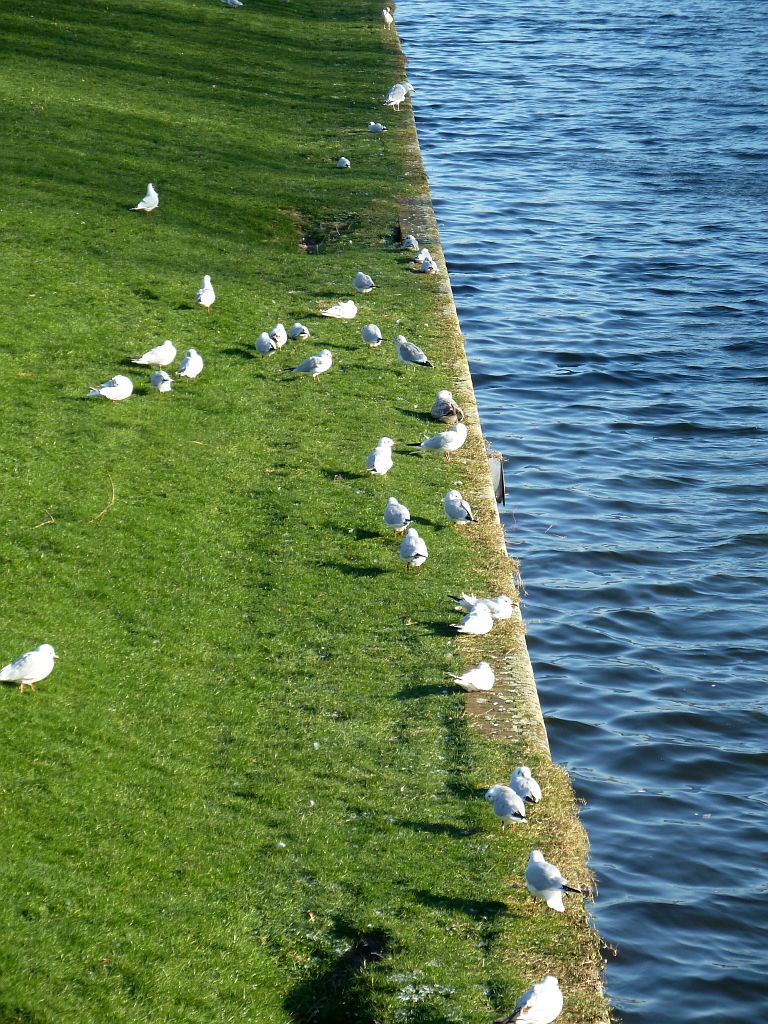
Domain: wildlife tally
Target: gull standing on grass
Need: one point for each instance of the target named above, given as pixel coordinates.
(298, 332)
(446, 441)
(206, 296)
(279, 335)
(409, 353)
(380, 459)
(507, 805)
(363, 283)
(371, 335)
(481, 677)
(376, 127)
(386, 17)
(28, 669)
(314, 364)
(161, 380)
(541, 1004)
(397, 94)
(457, 508)
(501, 607)
(115, 390)
(524, 784)
(150, 202)
(413, 550)
(545, 881)
(343, 164)
(341, 310)
(445, 410)
(396, 517)
(160, 355)
(265, 344)
(191, 365)
(478, 622)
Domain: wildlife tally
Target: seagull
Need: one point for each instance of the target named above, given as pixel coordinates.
(481, 677)
(524, 784)
(409, 353)
(544, 879)
(421, 255)
(409, 243)
(233, 3)
(386, 17)
(363, 283)
(428, 266)
(376, 127)
(507, 805)
(397, 94)
(115, 390)
(445, 410)
(298, 332)
(501, 607)
(371, 335)
(160, 355)
(314, 364)
(396, 516)
(478, 622)
(446, 441)
(150, 202)
(343, 164)
(413, 550)
(380, 459)
(541, 1004)
(457, 508)
(191, 365)
(161, 380)
(265, 344)
(28, 669)
(206, 296)
(279, 335)
(341, 310)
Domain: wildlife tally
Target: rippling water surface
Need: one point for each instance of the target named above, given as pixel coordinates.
(600, 173)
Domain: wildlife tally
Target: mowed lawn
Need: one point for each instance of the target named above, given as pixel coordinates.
(248, 791)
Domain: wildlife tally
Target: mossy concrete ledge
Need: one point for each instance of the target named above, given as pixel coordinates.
(249, 791)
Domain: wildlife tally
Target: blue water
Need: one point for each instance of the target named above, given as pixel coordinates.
(600, 174)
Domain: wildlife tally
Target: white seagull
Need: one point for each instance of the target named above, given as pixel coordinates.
(457, 508)
(409, 353)
(371, 335)
(481, 677)
(386, 17)
(446, 441)
(397, 94)
(314, 364)
(507, 805)
(376, 127)
(478, 622)
(428, 266)
(279, 335)
(396, 516)
(421, 255)
(501, 607)
(206, 296)
(28, 669)
(409, 243)
(150, 202)
(445, 410)
(265, 344)
(380, 459)
(541, 1004)
(298, 332)
(343, 164)
(544, 880)
(341, 310)
(191, 365)
(363, 283)
(160, 355)
(115, 390)
(161, 380)
(524, 784)
(413, 550)
(233, 3)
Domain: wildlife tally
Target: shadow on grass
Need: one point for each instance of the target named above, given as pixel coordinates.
(439, 828)
(364, 534)
(337, 992)
(423, 416)
(243, 353)
(355, 570)
(439, 628)
(430, 690)
(472, 908)
(342, 474)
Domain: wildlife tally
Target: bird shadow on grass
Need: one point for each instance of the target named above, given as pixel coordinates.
(439, 828)
(365, 534)
(428, 690)
(342, 474)
(472, 908)
(242, 351)
(338, 991)
(439, 628)
(423, 416)
(425, 522)
(355, 570)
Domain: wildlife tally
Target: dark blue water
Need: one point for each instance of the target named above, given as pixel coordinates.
(600, 173)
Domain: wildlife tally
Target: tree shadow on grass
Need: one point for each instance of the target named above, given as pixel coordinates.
(338, 992)
(355, 570)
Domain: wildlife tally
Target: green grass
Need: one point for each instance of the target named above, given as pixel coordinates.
(247, 759)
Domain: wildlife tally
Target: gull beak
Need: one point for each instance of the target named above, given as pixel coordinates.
(56, 657)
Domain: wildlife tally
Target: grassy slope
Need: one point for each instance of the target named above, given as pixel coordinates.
(244, 662)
